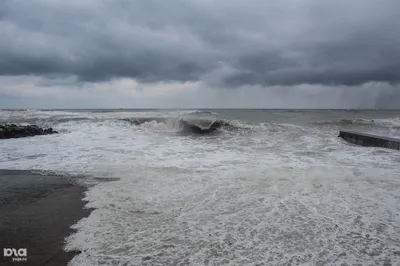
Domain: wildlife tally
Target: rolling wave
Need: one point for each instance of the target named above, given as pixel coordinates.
(201, 112)
(344, 122)
(389, 122)
(196, 123)
(14, 110)
(384, 123)
(188, 125)
(51, 121)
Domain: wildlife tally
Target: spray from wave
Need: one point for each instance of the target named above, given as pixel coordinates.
(187, 125)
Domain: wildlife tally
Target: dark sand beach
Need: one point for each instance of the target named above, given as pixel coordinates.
(36, 212)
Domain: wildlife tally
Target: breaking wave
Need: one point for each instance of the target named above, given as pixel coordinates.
(195, 122)
(187, 122)
(187, 125)
(389, 122)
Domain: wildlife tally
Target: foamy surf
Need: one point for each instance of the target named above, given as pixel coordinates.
(279, 189)
(321, 216)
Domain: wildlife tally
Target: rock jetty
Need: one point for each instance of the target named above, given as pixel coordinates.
(10, 131)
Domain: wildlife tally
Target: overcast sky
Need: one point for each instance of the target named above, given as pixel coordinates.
(199, 53)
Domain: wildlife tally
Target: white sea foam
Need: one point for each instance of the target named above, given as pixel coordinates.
(394, 122)
(278, 216)
(273, 195)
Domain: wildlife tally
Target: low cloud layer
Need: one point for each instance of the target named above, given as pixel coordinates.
(38, 92)
(221, 44)
(262, 42)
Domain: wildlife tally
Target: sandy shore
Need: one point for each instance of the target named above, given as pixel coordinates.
(36, 213)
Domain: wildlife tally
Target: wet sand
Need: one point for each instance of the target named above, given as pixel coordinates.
(36, 213)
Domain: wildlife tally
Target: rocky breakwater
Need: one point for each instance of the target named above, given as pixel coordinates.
(9, 131)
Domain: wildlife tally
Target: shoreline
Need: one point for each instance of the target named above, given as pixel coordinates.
(36, 213)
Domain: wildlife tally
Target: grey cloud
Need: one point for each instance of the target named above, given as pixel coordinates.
(225, 43)
(5, 96)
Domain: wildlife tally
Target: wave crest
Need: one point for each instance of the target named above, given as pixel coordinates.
(187, 125)
(343, 122)
(384, 123)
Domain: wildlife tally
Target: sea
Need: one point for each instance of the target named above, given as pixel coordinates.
(221, 187)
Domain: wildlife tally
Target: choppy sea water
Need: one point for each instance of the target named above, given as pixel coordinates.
(260, 187)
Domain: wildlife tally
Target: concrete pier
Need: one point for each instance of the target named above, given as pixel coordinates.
(364, 139)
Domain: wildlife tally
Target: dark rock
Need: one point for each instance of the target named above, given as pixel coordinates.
(147, 258)
(49, 131)
(17, 131)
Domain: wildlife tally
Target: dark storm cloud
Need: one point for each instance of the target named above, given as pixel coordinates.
(228, 43)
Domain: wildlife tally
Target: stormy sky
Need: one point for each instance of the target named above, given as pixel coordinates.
(199, 54)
